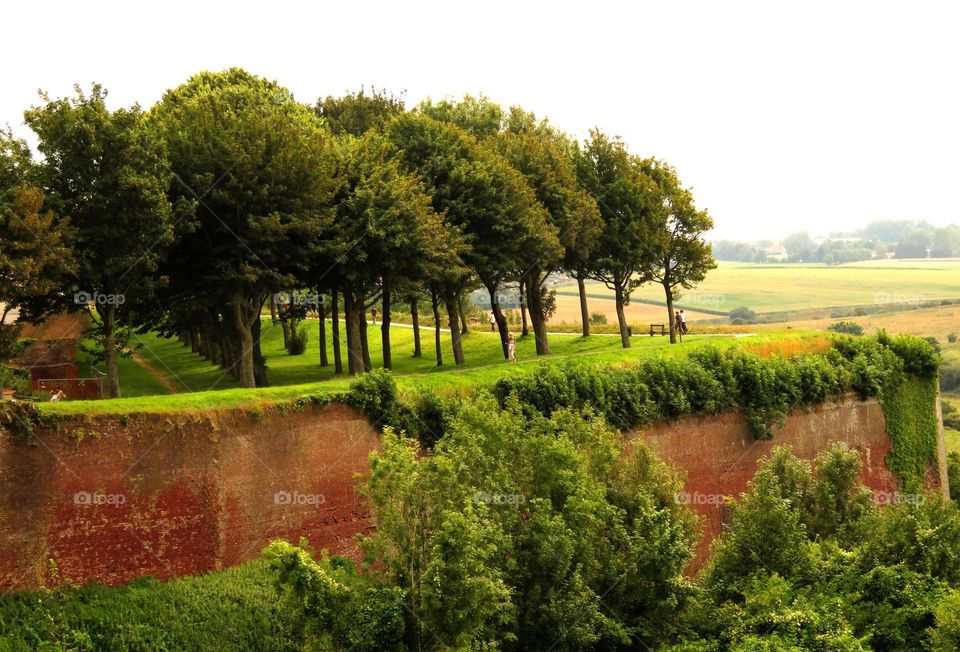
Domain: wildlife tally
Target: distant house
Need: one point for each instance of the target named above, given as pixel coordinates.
(775, 252)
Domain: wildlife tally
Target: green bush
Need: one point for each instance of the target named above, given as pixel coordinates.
(848, 327)
(952, 338)
(297, 343)
(953, 474)
(234, 609)
(598, 318)
(375, 394)
(743, 315)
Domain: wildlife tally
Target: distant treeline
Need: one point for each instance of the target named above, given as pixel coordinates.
(879, 239)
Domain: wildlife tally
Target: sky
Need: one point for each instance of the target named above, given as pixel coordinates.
(782, 116)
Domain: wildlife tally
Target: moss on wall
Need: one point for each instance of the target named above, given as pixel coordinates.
(909, 406)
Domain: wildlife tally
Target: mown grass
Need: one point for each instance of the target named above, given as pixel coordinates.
(235, 609)
(484, 366)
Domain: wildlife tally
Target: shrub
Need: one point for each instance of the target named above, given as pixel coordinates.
(949, 379)
(848, 327)
(953, 475)
(743, 315)
(375, 394)
(919, 355)
(952, 338)
(951, 416)
(298, 341)
(598, 318)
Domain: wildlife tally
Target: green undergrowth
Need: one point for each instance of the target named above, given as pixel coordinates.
(234, 609)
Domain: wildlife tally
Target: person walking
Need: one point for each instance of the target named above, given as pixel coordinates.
(511, 348)
(493, 321)
(683, 322)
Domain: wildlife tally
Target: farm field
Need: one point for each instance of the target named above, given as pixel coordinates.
(568, 311)
(770, 288)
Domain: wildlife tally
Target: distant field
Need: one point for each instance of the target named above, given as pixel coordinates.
(768, 288)
(568, 311)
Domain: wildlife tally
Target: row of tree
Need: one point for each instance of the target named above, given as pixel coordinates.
(902, 238)
(189, 217)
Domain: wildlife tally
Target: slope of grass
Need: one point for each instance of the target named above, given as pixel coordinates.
(487, 367)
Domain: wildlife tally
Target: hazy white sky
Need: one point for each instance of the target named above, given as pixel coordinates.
(780, 115)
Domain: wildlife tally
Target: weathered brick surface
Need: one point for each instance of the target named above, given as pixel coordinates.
(208, 491)
(185, 494)
(720, 456)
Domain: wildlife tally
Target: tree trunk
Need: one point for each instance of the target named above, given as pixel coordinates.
(500, 319)
(668, 291)
(195, 344)
(415, 319)
(335, 331)
(584, 314)
(259, 362)
(244, 344)
(621, 317)
(385, 326)
(364, 345)
(109, 319)
(522, 287)
(435, 304)
(534, 300)
(284, 326)
(451, 301)
(322, 316)
(464, 329)
(352, 320)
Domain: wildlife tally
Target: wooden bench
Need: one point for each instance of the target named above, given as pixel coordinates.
(662, 327)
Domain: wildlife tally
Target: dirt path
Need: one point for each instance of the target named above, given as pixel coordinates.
(161, 377)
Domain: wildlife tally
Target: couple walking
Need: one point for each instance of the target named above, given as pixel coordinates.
(680, 322)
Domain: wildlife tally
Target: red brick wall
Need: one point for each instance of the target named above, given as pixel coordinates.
(719, 454)
(177, 494)
(183, 494)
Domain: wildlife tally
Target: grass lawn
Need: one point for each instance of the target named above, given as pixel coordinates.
(294, 376)
(772, 287)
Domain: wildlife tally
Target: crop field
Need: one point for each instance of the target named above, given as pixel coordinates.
(774, 288)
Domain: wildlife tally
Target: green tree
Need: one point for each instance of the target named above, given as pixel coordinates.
(482, 197)
(913, 245)
(946, 242)
(35, 252)
(683, 258)
(357, 113)
(800, 247)
(107, 173)
(385, 233)
(630, 241)
(542, 155)
(255, 164)
(537, 534)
